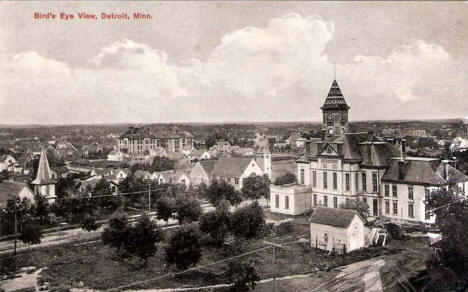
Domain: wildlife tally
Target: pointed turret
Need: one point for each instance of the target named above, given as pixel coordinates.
(335, 99)
(44, 183)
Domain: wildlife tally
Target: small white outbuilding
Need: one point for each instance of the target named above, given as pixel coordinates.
(340, 230)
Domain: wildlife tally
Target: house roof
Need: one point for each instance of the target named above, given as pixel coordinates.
(231, 166)
(44, 175)
(335, 99)
(414, 170)
(5, 157)
(207, 165)
(341, 218)
(11, 190)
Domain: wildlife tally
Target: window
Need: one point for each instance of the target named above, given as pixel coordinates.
(302, 176)
(356, 181)
(394, 191)
(325, 201)
(325, 186)
(364, 200)
(410, 211)
(314, 178)
(325, 237)
(427, 213)
(427, 191)
(364, 182)
(376, 208)
(236, 180)
(410, 192)
(347, 181)
(277, 201)
(315, 200)
(335, 181)
(335, 202)
(387, 190)
(286, 202)
(387, 207)
(374, 181)
(395, 208)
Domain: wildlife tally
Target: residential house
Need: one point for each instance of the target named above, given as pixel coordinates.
(10, 190)
(338, 229)
(67, 151)
(7, 162)
(116, 155)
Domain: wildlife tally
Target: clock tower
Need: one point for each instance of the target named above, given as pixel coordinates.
(335, 112)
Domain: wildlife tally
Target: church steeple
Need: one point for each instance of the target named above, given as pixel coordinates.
(44, 183)
(335, 112)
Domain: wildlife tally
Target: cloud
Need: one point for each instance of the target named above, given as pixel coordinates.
(277, 72)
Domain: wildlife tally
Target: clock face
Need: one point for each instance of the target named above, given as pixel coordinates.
(330, 131)
(330, 117)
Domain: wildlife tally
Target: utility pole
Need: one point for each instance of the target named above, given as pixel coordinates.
(16, 229)
(274, 246)
(149, 198)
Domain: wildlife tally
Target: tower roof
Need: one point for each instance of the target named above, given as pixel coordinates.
(335, 99)
(44, 176)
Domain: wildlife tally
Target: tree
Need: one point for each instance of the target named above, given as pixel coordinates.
(210, 141)
(162, 163)
(139, 240)
(242, 275)
(287, 178)
(184, 247)
(359, 205)
(143, 238)
(41, 208)
(164, 208)
(254, 187)
(216, 223)
(109, 202)
(188, 209)
(221, 190)
(90, 224)
(31, 233)
(448, 269)
(247, 221)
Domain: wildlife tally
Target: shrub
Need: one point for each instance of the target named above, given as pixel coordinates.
(287, 178)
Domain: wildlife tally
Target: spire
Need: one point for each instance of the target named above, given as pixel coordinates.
(44, 175)
(335, 99)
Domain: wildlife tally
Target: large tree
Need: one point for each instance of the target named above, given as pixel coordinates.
(448, 270)
(31, 233)
(255, 187)
(164, 208)
(359, 205)
(221, 190)
(247, 221)
(184, 248)
(40, 209)
(216, 223)
(242, 275)
(187, 209)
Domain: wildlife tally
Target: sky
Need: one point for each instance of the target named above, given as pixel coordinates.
(232, 61)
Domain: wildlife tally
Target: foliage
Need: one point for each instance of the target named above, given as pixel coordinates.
(110, 202)
(162, 164)
(287, 178)
(187, 209)
(164, 208)
(221, 190)
(31, 233)
(242, 274)
(184, 247)
(41, 208)
(139, 240)
(73, 210)
(210, 141)
(216, 223)
(66, 186)
(90, 224)
(254, 187)
(247, 221)
(448, 270)
(359, 205)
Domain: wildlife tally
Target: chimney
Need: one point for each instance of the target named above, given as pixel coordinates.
(323, 134)
(370, 136)
(307, 146)
(319, 147)
(401, 170)
(403, 145)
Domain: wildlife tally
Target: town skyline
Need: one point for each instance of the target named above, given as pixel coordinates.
(274, 67)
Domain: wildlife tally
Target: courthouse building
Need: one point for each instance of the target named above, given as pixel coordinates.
(342, 166)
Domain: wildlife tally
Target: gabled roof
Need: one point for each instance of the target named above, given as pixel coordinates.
(377, 154)
(208, 166)
(11, 190)
(231, 166)
(450, 174)
(5, 157)
(414, 170)
(44, 175)
(335, 99)
(341, 218)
